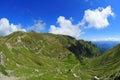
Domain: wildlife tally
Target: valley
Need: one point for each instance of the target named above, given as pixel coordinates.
(45, 56)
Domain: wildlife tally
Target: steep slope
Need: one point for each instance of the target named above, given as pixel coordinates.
(107, 66)
(43, 56)
(38, 56)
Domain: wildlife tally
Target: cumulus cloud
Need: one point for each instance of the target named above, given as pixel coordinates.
(97, 18)
(37, 26)
(6, 27)
(107, 39)
(66, 27)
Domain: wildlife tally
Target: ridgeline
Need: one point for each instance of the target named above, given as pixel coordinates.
(45, 56)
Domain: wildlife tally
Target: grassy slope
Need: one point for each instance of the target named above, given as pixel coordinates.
(107, 66)
(35, 56)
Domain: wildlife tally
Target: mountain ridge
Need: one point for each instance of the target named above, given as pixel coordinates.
(44, 56)
(105, 45)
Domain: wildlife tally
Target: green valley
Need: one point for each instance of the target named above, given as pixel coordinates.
(44, 56)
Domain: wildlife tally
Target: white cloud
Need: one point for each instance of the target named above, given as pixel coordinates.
(97, 18)
(37, 26)
(7, 28)
(66, 28)
(106, 39)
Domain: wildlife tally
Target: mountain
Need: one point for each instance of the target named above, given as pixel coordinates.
(44, 56)
(107, 66)
(105, 45)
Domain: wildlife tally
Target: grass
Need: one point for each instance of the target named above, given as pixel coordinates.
(56, 57)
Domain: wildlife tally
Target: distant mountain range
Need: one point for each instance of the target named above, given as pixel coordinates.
(44, 56)
(105, 45)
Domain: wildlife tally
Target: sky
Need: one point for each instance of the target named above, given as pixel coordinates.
(97, 20)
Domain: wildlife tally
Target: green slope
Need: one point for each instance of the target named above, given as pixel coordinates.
(43, 56)
(107, 66)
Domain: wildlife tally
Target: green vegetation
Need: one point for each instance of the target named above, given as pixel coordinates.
(44, 56)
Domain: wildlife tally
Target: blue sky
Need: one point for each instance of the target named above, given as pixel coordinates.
(85, 19)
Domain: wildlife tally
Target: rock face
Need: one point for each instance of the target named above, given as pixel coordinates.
(84, 48)
(2, 58)
(3, 77)
(95, 78)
